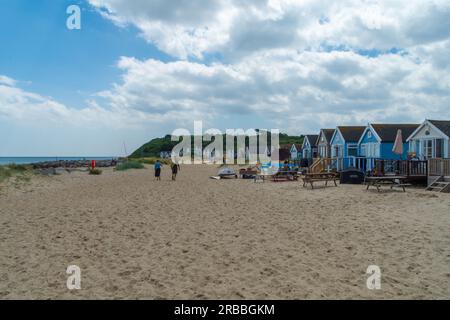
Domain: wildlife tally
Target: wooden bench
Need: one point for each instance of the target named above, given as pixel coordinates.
(280, 176)
(320, 177)
(391, 181)
(285, 176)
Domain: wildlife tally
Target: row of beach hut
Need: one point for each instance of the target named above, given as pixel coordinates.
(362, 147)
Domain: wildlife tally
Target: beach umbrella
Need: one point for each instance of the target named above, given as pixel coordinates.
(398, 145)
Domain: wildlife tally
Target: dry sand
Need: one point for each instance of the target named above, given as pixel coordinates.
(198, 238)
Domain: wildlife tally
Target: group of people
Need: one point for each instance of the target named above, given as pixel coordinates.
(174, 167)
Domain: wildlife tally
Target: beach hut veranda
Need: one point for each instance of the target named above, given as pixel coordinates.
(377, 142)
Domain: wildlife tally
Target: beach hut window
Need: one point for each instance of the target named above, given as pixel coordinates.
(369, 134)
(352, 151)
(370, 150)
(416, 146)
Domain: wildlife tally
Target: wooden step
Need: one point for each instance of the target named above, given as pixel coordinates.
(439, 185)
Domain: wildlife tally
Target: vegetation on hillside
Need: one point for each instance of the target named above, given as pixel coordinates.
(153, 148)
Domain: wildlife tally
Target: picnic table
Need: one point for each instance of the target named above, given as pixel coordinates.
(311, 178)
(285, 176)
(392, 181)
(248, 173)
(277, 177)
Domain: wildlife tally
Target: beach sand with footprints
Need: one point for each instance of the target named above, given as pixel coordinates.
(198, 238)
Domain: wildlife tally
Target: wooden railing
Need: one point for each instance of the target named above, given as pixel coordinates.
(407, 168)
(321, 164)
(439, 167)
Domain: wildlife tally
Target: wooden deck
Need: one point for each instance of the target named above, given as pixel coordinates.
(417, 171)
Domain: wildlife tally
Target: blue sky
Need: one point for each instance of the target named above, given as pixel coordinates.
(140, 69)
(58, 62)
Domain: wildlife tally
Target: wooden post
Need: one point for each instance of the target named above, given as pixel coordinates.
(408, 168)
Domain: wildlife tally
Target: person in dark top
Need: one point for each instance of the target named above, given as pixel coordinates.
(158, 166)
(286, 168)
(175, 168)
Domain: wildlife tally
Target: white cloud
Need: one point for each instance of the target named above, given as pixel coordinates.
(295, 90)
(7, 81)
(35, 125)
(236, 27)
(20, 105)
(297, 63)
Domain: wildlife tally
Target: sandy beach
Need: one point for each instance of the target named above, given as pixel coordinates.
(198, 238)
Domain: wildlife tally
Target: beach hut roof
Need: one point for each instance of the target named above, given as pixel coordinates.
(444, 126)
(312, 138)
(328, 133)
(351, 133)
(388, 132)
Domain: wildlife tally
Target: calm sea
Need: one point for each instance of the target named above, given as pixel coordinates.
(27, 160)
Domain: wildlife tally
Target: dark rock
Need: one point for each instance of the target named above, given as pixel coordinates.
(72, 164)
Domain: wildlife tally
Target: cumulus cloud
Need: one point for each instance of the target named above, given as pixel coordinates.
(22, 106)
(4, 80)
(180, 27)
(287, 87)
(235, 27)
(33, 124)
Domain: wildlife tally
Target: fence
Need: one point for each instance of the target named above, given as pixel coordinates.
(439, 167)
(409, 168)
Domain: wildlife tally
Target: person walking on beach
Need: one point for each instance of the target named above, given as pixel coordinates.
(158, 166)
(175, 168)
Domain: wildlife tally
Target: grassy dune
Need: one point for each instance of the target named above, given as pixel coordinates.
(19, 172)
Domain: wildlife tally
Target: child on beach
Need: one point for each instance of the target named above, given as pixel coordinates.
(175, 167)
(158, 166)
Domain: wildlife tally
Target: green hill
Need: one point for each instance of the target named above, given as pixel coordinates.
(155, 146)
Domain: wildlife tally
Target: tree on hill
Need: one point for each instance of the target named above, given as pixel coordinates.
(158, 145)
